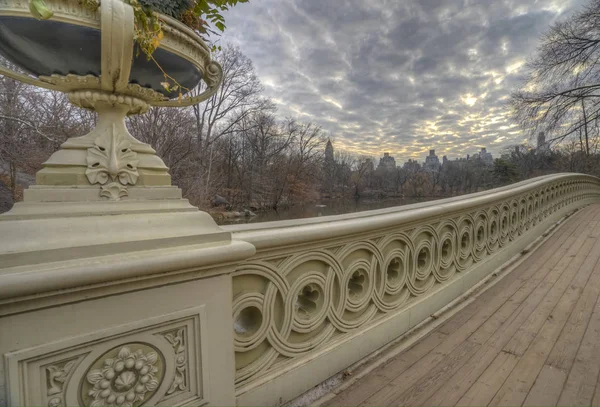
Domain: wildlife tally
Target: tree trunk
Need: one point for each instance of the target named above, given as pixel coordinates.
(13, 180)
(587, 143)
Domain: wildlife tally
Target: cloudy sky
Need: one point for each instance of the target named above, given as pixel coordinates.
(401, 76)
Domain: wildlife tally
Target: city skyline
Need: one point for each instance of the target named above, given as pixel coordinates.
(388, 157)
(402, 77)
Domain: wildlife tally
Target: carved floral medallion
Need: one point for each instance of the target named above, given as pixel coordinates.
(125, 376)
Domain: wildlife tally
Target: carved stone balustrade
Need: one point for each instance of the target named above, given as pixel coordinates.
(320, 294)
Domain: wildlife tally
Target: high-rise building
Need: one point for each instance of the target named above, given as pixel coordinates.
(486, 157)
(329, 152)
(432, 162)
(387, 162)
(412, 165)
(542, 146)
(328, 184)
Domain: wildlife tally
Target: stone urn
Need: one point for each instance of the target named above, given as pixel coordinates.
(93, 57)
(104, 193)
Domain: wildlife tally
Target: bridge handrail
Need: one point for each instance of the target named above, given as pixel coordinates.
(299, 230)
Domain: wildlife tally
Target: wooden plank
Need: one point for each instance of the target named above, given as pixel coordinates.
(582, 380)
(565, 349)
(360, 391)
(596, 400)
(480, 394)
(498, 330)
(377, 379)
(546, 277)
(524, 336)
(506, 322)
(516, 388)
(525, 271)
(436, 377)
(387, 394)
(406, 359)
(547, 387)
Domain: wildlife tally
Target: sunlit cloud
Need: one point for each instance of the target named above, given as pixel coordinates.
(469, 100)
(514, 67)
(333, 102)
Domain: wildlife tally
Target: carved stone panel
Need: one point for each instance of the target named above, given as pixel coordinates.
(157, 361)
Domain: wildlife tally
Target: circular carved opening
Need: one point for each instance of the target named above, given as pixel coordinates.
(504, 222)
(395, 270)
(248, 321)
(514, 218)
(480, 233)
(493, 227)
(357, 283)
(464, 241)
(446, 249)
(523, 213)
(423, 258)
(306, 302)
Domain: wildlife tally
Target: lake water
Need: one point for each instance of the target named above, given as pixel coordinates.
(324, 208)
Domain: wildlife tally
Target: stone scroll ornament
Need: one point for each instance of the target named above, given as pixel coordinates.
(56, 377)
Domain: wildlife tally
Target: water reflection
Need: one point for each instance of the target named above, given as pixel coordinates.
(323, 208)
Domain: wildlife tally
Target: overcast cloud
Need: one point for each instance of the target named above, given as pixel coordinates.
(401, 76)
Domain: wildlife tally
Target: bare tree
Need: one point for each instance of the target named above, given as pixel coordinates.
(18, 131)
(364, 167)
(561, 95)
(169, 131)
(238, 97)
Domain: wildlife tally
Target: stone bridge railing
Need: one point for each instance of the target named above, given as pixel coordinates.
(147, 302)
(322, 293)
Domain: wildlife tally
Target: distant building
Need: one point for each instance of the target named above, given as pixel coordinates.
(542, 146)
(412, 166)
(432, 162)
(456, 163)
(387, 162)
(329, 152)
(329, 167)
(486, 157)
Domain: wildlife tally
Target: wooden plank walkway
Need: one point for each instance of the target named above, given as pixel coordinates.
(532, 339)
